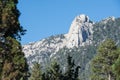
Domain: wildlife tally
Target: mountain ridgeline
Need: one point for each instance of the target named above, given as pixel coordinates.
(80, 42)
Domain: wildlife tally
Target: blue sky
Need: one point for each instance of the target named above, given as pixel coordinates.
(43, 18)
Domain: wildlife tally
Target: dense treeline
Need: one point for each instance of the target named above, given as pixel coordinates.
(54, 72)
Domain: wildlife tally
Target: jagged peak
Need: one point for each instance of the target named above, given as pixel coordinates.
(108, 18)
(82, 18)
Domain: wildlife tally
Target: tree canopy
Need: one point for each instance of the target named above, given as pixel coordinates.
(107, 54)
(9, 19)
(13, 64)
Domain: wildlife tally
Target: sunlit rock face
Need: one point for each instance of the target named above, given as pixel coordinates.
(80, 31)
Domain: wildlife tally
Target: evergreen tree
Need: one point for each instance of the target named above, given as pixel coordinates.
(116, 68)
(54, 72)
(13, 64)
(72, 72)
(36, 72)
(9, 23)
(107, 54)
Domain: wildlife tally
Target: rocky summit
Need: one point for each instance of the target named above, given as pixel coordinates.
(80, 32)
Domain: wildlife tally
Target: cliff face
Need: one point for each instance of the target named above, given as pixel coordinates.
(80, 32)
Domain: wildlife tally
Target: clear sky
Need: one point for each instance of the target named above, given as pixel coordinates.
(43, 18)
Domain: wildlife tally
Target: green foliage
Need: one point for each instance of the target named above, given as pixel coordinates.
(13, 65)
(116, 68)
(9, 23)
(107, 54)
(36, 72)
(54, 72)
(81, 56)
(71, 72)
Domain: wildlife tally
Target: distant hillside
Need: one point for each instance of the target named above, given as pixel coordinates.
(81, 42)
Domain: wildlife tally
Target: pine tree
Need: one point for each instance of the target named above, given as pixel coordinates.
(107, 54)
(13, 65)
(53, 72)
(36, 73)
(72, 72)
(9, 23)
(116, 68)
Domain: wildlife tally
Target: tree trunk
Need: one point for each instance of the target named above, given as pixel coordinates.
(109, 77)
